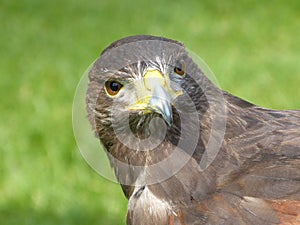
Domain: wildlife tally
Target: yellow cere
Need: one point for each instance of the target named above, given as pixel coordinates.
(153, 78)
(140, 104)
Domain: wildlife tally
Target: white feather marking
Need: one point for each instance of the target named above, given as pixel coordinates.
(149, 205)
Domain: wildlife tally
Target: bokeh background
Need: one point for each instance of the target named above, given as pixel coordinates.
(253, 47)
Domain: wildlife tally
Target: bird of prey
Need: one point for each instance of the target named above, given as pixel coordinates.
(184, 151)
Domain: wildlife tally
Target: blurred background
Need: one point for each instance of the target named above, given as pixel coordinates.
(253, 47)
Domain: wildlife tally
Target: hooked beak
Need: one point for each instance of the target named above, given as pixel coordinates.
(160, 103)
(156, 96)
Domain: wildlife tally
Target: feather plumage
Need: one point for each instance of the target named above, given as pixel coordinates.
(255, 175)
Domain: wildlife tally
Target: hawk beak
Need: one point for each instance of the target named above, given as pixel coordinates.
(155, 96)
(160, 103)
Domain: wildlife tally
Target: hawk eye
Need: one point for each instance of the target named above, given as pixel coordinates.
(113, 87)
(180, 68)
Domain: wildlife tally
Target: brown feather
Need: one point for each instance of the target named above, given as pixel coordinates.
(255, 177)
(288, 211)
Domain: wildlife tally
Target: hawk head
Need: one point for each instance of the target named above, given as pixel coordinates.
(146, 96)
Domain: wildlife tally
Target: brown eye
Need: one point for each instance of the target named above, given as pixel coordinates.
(113, 87)
(180, 68)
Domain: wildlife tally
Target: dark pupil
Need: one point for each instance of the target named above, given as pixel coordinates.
(114, 86)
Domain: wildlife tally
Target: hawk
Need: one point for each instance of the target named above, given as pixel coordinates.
(184, 151)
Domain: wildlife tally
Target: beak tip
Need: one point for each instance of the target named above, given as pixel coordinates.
(169, 121)
(163, 107)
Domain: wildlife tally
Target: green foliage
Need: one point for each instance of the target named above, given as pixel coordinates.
(253, 47)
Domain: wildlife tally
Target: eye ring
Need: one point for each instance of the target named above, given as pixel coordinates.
(179, 69)
(113, 87)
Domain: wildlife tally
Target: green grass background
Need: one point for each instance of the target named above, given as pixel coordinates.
(253, 47)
